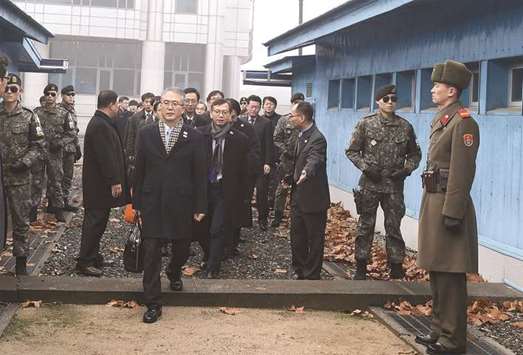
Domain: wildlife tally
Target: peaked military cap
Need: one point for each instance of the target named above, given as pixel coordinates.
(297, 97)
(50, 87)
(13, 79)
(3, 66)
(452, 73)
(384, 91)
(69, 89)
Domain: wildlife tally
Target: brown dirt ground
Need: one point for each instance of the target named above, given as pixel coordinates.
(70, 329)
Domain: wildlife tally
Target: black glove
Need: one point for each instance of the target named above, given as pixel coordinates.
(54, 146)
(452, 224)
(373, 174)
(18, 167)
(399, 174)
(78, 153)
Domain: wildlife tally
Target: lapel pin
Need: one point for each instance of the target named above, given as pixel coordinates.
(373, 142)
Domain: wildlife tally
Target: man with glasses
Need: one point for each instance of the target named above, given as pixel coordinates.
(21, 145)
(53, 124)
(384, 148)
(72, 151)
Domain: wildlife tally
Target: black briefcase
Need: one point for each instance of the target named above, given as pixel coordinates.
(133, 252)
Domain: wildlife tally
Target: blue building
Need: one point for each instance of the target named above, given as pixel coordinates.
(18, 34)
(364, 44)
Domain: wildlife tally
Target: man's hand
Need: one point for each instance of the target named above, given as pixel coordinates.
(78, 153)
(452, 224)
(18, 167)
(198, 217)
(266, 169)
(302, 178)
(116, 190)
(399, 174)
(373, 174)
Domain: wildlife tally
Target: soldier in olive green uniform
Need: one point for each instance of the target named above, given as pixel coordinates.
(37, 176)
(384, 148)
(72, 151)
(21, 144)
(447, 238)
(53, 122)
(285, 137)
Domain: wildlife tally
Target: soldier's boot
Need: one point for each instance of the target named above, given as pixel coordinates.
(21, 265)
(361, 270)
(278, 216)
(33, 214)
(59, 214)
(396, 271)
(68, 207)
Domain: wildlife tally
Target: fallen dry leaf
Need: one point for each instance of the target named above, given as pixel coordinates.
(280, 271)
(518, 325)
(29, 304)
(229, 311)
(114, 220)
(190, 270)
(122, 304)
(295, 309)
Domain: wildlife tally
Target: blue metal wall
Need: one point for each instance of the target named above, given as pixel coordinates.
(413, 38)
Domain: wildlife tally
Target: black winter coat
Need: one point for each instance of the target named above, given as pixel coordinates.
(103, 165)
(169, 188)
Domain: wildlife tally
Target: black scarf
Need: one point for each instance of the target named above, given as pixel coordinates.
(218, 135)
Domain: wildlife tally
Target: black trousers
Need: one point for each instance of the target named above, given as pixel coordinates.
(217, 230)
(93, 227)
(152, 266)
(449, 308)
(307, 240)
(262, 190)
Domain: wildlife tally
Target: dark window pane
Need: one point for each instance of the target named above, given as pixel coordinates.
(123, 82)
(85, 82)
(334, 94)
(475, 87)
(308, 90)
(195, 80)
(179, 80)
(347, 93)
(186, 6)
(105, 80)
(517, 84)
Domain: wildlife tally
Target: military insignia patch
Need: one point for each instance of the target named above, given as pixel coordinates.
(468, 140)
(444, 120)
(464, 113)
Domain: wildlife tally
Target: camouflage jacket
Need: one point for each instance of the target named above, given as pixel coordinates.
(385, 144)
(70, 128)
(21, 139)
(53, 122)
(285, 137)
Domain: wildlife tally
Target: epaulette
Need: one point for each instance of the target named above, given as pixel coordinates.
(464, 113)
(369, 116)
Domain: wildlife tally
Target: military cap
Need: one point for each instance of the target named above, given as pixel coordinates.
(3, 66)
(13, 79)
(452, 73)
(384, 91)
(243, 100)
(297, 97)
(50, 87)
(67, 90)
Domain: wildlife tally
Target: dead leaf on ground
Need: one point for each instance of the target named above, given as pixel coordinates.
(295, 309)
(31, 304)
(518, 325)
(122, 304)
(114, 220)
(229, 311)
(190, 270)
(280, 271)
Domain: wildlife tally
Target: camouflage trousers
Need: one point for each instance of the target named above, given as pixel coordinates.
(68, 167)
(55, 176)
(393, 208)
(37, 182)
(280, 197)
(19, 202)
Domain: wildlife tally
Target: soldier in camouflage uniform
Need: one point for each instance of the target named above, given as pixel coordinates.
(21, 144)
(285, 136)
(37, 176)
(72, 151)
(384, 148)
(53, 122)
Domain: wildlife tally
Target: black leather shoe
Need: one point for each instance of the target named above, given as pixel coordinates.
(425, 340)
(176, 285)
(21, 266)
(209, 274)
(89, 271)
(69, 208)
(438, 348)
(396, 271)
(152, 314)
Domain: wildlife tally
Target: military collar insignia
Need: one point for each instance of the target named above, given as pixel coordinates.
(444, 120)
(464, 113)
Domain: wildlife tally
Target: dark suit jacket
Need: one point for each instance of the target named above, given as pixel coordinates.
(235, 172)
(136, 122)
(198, 120)
(312, 195)
(254, 160)
(263, 129)
(103, 165)
(169, 188)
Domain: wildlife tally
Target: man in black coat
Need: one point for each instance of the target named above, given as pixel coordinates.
(190, 117)
(227, 150)
(103, 180)
(170, 191)
(263, 129)
(310, 198)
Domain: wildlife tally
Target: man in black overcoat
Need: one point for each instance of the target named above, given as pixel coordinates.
(170, 192)
(104, 180)
(310, 198)
(227, 150)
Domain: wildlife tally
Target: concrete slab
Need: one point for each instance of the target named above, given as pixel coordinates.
(8, 289)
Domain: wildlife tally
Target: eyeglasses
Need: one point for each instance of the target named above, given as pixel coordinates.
(221, 113)
(171, 103)
(11, 88)
(190, 101)
(388, 98)
(53, 94)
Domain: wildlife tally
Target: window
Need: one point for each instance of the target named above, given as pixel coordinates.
(334, 94)
(186, 6)
(347, 93)
(184, 65)
(426, 85)
(308, 90)
(121, 4)
(363, 96)
(406, 90)
(516, 85)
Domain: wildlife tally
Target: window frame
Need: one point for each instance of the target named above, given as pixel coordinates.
(511, 103)
(176, 11)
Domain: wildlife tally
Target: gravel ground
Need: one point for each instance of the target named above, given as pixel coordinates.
(263, 255)
(506, 334)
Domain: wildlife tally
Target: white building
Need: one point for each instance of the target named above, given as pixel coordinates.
(135, 46)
